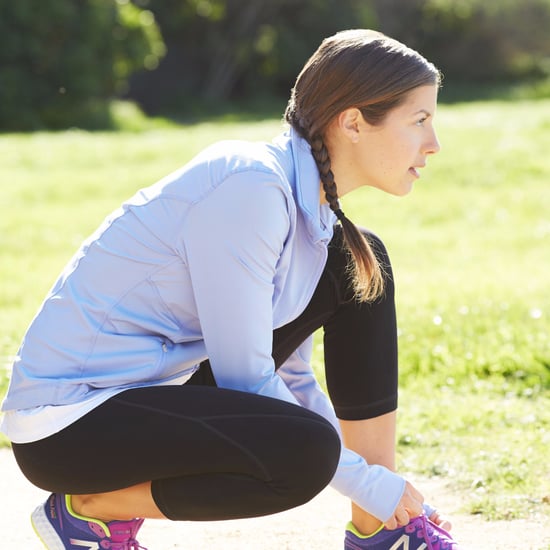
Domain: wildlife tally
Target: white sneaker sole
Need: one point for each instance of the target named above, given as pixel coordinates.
(43, 528)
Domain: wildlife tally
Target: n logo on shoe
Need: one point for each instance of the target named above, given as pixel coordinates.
(403, 544)
(90, 545)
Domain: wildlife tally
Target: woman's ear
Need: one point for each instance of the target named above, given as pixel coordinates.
(349, 122)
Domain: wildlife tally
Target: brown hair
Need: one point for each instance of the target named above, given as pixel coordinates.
(355, 68)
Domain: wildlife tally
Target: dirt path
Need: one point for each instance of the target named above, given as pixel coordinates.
(317, 525)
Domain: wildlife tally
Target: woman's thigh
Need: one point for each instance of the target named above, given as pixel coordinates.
(174, 431)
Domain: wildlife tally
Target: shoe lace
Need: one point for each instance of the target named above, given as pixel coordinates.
(131, 544)
(429, 530)
(126, 529)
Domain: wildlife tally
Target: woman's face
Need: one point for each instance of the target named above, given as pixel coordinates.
(390, 155)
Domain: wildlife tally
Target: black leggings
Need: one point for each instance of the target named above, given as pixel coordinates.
(213, 453)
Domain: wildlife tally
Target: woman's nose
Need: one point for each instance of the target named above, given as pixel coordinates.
(432, 145)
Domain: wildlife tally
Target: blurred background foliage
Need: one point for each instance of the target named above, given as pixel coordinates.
(63, 62)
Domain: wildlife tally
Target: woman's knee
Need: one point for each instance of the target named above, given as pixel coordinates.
(313, 461)
(298, 459)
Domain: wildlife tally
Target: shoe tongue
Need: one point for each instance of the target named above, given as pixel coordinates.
(123, 531)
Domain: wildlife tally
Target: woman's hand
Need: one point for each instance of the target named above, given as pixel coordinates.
(410, 506)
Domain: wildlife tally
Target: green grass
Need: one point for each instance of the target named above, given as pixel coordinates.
(470, 249)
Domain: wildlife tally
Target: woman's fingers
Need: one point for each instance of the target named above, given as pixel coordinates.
(442, 521)
(412, 501)
(410, 506)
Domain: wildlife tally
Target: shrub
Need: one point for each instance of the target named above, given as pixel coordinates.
(61, 61)
(475, 41)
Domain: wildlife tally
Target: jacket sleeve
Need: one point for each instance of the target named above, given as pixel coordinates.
(374, 488)
(233, 239)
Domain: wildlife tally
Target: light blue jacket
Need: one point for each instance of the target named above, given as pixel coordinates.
(205, 263)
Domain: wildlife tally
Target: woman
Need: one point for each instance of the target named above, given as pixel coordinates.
(167, 373)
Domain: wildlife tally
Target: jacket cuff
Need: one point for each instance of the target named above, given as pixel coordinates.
(374, 488)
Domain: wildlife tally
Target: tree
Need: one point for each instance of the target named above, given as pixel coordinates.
(474, 41)
(226, 50)
(61, 61)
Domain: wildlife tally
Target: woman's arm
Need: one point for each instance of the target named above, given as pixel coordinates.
(374, 488)
(233, 239)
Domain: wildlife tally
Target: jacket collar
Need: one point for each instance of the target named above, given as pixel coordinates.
(304, 179)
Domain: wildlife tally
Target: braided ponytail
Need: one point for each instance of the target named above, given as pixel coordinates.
(364, 267)
(365, 270)
(367, 70)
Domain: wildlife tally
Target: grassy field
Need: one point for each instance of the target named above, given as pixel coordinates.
(471, 254)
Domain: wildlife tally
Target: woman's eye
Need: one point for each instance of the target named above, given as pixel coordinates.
(420, 121)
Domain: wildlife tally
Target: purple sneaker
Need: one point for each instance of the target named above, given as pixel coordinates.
(419, 534)
(59, 528)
